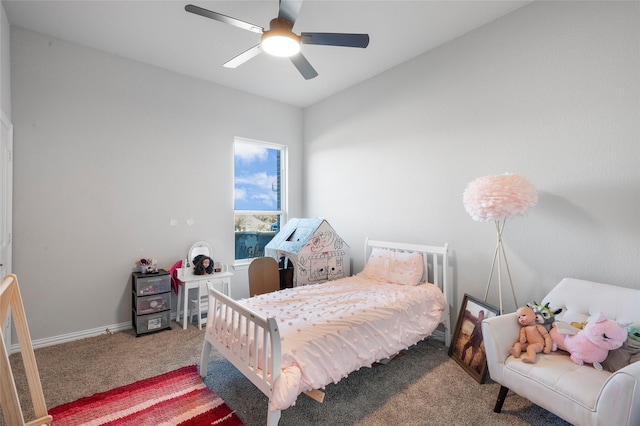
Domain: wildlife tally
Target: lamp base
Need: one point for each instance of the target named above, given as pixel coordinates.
(499, 254)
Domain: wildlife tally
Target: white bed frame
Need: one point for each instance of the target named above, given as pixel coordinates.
(266, 329)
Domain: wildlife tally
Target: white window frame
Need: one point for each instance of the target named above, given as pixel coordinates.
(284, 185)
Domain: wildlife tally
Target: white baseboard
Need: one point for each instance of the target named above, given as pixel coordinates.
(64, 338)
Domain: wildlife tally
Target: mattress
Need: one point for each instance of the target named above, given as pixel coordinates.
(332, 329)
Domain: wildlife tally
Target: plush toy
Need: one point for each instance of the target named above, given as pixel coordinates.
(592, 344)
(634, 336)
(578, 325)
(534, 338)
(545, 315)
(627, 354)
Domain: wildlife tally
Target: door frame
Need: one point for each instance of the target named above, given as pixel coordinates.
(6, 209)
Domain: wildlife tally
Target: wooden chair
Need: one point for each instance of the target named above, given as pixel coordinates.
(264, 276)
(10, 298)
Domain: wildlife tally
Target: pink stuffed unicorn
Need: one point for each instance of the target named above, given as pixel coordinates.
(592, 343)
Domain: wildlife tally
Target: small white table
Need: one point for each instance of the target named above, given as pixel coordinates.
(192, 281)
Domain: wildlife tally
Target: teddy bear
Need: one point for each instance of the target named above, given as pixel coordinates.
(533, 339)
(591, 344)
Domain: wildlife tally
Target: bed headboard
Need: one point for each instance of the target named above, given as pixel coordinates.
(436, 268)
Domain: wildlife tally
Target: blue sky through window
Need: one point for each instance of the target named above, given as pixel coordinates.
(256, 177)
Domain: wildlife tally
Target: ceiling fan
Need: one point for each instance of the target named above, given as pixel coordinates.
(280, 40)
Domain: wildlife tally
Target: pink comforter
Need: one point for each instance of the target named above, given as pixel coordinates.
(329, 330)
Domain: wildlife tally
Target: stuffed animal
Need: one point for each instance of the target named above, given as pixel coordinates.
(627, 354)
(534, 338)
(578, 325)
(592, 344)
(545, 315)
(634, 337)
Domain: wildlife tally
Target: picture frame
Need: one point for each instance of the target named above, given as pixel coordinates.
(467, 345)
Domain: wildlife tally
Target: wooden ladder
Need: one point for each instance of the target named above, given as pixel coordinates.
(10, 403)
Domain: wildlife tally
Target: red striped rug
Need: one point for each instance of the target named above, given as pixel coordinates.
(179, 397)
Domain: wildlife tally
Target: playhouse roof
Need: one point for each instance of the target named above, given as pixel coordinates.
(295, 234)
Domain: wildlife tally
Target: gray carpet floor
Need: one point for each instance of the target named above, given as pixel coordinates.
(422, 387)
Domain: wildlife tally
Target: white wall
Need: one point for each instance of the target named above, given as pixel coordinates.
(551, 92)
(107, 152)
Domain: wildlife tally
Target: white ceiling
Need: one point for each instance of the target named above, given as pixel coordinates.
(161, 33)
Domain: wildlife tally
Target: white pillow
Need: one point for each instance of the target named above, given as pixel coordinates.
(394, 267)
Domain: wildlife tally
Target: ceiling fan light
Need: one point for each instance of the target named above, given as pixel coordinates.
(281, 44)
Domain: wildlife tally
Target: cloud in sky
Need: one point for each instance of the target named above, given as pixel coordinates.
(249, 153)
(240, 194)
(255, 176)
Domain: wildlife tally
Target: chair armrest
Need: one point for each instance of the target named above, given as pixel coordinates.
(632, 370)
(619, 399)
(499, 334)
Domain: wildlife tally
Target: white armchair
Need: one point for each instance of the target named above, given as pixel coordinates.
(580, 395)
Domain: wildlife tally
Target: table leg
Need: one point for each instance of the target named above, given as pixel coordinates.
(178, 304)
(185, 293)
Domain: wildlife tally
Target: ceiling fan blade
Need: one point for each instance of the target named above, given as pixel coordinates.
(304, 66)
(243, 57)
(289, 10)
(335, 39)
(223, 18)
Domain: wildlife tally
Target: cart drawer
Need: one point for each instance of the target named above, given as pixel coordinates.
(152, 284)
(153, 303)
(152, 322)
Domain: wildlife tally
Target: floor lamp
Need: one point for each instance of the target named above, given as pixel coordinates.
(497, 198)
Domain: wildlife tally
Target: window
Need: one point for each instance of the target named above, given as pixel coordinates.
(259, 195)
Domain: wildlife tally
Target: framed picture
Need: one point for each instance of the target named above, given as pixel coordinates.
(467, 346)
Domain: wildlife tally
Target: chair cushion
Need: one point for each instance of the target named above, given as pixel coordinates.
(561, 376)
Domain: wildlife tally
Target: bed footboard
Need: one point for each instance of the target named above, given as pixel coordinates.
(247, 340)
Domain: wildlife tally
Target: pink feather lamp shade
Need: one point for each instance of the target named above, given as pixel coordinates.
(498, 197)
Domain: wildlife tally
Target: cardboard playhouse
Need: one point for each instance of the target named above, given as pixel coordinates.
(313, 248)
